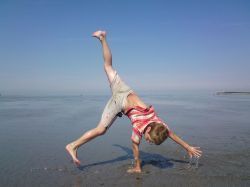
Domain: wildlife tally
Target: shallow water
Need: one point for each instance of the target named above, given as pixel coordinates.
(35, 130)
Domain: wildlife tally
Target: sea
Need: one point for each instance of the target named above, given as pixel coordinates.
(34, 131)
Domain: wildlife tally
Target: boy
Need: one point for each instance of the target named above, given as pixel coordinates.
(125, 100)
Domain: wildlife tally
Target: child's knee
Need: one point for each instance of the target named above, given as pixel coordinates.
(101, 130)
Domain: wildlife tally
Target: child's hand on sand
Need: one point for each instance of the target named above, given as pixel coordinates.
(134, 170)
(194, 151)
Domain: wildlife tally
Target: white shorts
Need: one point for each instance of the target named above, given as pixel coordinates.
(117, 102)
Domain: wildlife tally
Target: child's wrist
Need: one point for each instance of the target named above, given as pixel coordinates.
(137, 161)
(187, 147)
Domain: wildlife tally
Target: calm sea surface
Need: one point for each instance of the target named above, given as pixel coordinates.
(35, 130)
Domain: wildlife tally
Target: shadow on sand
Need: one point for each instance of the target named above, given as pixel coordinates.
(156, 160)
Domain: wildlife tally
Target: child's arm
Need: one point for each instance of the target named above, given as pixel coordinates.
(137, 164)
(192, 151)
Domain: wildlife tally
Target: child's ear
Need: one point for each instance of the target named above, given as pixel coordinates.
(148, 129)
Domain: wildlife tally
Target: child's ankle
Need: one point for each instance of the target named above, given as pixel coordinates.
(102, 38)
(73, 145)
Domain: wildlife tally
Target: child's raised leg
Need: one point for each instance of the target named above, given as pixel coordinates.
(107, 56)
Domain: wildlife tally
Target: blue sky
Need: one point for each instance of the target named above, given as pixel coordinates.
(158, 45)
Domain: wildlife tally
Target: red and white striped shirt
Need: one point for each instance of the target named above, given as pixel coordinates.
(140, 118)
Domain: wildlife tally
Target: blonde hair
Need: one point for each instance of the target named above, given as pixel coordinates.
(158, 133)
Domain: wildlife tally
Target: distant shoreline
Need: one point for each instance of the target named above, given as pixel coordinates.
(232, 93)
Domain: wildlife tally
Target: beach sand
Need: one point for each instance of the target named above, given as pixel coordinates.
(35, 130)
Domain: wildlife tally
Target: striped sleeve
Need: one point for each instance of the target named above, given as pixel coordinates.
(136, 136)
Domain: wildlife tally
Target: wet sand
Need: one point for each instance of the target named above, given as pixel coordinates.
(35, 130)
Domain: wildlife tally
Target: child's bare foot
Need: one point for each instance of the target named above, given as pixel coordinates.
(134, 170)
(99, 34)
(73, 153)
